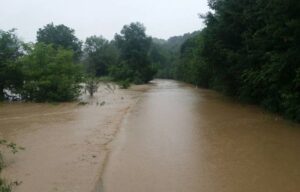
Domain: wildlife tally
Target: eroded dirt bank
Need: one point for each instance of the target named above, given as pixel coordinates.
(66, 144)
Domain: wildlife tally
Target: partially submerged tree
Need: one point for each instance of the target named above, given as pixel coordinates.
(134, 46)
(91, 85)
(50, 74)
(10, 51)
(99, 55)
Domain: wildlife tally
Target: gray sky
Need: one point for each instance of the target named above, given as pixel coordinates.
(162, 18)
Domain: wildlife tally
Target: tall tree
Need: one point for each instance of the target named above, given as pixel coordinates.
(10, 51)
(192, 67)
(60, 35)
(50, 74)
(99, 55)
(134, 46)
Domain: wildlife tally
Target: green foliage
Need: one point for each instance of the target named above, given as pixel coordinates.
(60, 36)
(165, 55)
(99, 54)
(161, 60)
(124, 84)
(4, 186)
(192, 67)
(91, 85)
(105, 79)
(39, 72)
(121, 71)
(134, 46)
(11, 146)
(10, 50)
(249, 50)
(50, 74)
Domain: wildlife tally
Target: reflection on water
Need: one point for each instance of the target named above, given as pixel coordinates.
(183, 139)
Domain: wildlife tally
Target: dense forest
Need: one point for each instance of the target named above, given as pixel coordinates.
(248, 50)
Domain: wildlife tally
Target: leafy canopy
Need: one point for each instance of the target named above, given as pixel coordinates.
(50, 74)
(10, 51)
(60, 36)
(134, 46)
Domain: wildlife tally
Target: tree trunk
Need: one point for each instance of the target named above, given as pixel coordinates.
(1, 92)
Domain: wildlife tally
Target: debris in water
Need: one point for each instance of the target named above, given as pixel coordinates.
(102, 103)
(83, 103)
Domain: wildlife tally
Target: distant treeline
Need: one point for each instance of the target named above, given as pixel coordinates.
(249, 50)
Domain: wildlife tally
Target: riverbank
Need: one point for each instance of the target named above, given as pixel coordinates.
(66, 144)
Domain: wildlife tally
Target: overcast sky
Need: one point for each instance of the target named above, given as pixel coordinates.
(162, 18)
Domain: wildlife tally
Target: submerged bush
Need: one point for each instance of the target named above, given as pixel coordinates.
(91, 85)
(4, 186)
(124, 84)
(50, 74)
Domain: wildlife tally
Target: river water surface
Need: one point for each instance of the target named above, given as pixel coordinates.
(181, 139)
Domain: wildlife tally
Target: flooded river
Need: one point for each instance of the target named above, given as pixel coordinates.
(181, 139)
(65, 144)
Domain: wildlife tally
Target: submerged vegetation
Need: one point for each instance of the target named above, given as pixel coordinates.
(53, 68)
(4, 186)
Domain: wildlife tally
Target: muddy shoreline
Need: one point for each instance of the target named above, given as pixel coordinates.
(67, 145)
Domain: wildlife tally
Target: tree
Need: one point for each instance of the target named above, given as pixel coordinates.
(60, 36)
(192, 67)
(249, 50)
(91, 85)
(99, 55)
(50, 74)
(134, 46)
(10, 51)
(257, 43)
(165, 55)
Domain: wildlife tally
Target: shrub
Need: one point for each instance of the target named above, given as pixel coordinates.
(124, 84)
(50, 74)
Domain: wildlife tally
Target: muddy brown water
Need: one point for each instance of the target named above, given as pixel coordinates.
(182, 139)
(65, 144)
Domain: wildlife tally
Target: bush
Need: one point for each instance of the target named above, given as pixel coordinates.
(91, 85)
(50, 74)
(124, 84)
(4, 186)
